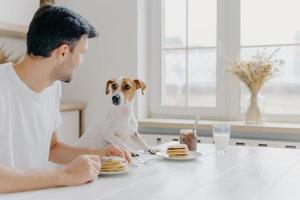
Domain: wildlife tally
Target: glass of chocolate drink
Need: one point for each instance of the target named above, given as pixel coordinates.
(189, 137)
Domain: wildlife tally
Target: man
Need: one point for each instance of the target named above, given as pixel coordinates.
(29, 107)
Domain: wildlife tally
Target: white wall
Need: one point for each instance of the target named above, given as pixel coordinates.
(143, 71)
(116, 52)
(17, 45)
(18, 12)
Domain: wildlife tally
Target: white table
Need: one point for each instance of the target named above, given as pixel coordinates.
(243, 173)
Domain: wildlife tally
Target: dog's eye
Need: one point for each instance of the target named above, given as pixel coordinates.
(114, 86)
(127, 87)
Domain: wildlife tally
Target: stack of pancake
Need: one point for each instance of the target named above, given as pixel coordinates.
(178, 151)
(113, 164)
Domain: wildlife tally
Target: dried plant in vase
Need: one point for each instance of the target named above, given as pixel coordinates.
(254, 73)
(6, 57)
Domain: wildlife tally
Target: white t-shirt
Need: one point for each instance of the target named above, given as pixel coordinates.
(27, 121)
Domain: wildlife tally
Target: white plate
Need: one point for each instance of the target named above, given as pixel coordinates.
(114, 173)
(192, 155)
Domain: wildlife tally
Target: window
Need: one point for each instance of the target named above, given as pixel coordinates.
(278, 28)
(192, 42)
(189, 53)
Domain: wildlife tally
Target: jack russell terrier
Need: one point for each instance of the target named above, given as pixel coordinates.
(119, 125)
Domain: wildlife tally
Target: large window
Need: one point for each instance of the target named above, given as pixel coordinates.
(279, 27)
(189, 40)
(192, 42)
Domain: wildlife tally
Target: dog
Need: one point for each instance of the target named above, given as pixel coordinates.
(119, 125)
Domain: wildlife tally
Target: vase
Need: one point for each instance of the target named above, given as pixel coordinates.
(253, 114)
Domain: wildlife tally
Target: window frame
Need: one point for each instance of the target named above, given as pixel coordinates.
(227, 86)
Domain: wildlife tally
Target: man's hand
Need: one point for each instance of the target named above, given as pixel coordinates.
(83, 169)
(112, 150)
(64, 154)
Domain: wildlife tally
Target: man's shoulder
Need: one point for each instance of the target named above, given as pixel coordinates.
(4, 73)
(55, 89)
(4, 68)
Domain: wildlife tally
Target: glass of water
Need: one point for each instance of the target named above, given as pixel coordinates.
(221, 135)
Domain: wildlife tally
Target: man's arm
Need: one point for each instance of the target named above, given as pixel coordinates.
(63, 154)
(13, 180)
(81, 170)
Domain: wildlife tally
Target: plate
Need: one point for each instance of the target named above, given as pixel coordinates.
(114, 173)
(192, 155)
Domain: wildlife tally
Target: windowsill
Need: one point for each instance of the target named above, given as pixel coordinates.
(238, 126)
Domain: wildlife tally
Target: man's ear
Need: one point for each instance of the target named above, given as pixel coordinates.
(140, 85)
(62, 51)
(108, 83)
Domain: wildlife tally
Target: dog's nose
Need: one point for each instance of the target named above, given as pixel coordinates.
(116, 99)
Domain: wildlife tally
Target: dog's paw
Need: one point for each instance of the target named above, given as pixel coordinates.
(152, 151)
(133, 154)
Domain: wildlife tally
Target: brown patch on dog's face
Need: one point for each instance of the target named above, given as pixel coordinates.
(128, 88)
(123, 89)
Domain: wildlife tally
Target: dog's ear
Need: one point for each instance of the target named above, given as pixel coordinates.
(140, 85)
(108, 83)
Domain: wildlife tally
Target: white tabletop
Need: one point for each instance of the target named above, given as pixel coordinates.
(242, 173)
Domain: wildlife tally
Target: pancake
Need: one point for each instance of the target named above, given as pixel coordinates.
(178, 151)
(113, 164)
(114, 169)
(179, 156)
(177, 146)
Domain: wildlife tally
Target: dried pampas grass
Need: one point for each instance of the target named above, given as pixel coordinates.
(254, 74)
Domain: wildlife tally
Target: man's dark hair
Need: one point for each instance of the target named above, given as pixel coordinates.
(53, 26)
